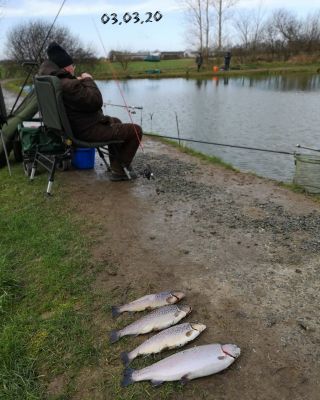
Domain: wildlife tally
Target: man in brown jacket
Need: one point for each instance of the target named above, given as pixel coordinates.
(83, 103)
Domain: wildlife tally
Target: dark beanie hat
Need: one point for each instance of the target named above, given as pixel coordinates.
(58, 55)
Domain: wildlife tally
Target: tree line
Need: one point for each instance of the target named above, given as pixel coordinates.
(217, 25)
(280, 36)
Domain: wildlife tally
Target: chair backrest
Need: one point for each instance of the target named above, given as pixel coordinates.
(50, 101)
(3, 111)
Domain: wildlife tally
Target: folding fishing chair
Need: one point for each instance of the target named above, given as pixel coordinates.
(3, 120)
(51, 107)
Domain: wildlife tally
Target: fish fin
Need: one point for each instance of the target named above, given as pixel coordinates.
(127, 377)
(189, 333)
(184, 379)
(156, 383)
(114, 336)
(125, 358)
(115, 311)
(171, 299)
(177, 313)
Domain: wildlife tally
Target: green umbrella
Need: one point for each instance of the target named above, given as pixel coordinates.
(25, 112)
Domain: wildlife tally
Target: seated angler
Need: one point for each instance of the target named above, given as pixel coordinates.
(83, 103)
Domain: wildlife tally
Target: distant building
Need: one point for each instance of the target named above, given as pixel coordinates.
(151, 56)
(134, 56)
(190, 53)
(171, 55)
(193, 53)
(138, 56)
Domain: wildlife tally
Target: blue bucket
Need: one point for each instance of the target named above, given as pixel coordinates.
(83, 158)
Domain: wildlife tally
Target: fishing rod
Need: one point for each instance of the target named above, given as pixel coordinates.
(32, 64)
(131, 109)
(120, 105)
(306, 148)
(219, 144)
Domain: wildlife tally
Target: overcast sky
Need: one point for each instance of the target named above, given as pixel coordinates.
(81, 16)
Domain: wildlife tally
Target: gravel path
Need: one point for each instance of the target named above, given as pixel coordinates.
(245, 250)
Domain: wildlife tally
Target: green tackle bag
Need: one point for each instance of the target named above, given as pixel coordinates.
(47, 142)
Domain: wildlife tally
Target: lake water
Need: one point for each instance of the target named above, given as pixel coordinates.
(274, 113)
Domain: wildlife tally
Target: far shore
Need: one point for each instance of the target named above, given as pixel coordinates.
(175, 69)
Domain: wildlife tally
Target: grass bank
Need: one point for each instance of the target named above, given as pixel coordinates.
(49, 337)
(186, 68)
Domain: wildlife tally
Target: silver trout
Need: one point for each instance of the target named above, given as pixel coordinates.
(150, 301)
(158, 319)
(186, 365)
(173, 337)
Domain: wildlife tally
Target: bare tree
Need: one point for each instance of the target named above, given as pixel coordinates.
(222, 7)
(243, 26)
(310, 35)
(257, 31)
(25, 41)
(249, 25)
(207, 27)
(287, 24)
(195, 15)
(199, 13)
(272, 41)
(289, 28)
(122, 57)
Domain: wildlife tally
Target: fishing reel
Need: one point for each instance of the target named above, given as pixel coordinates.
(147, 172)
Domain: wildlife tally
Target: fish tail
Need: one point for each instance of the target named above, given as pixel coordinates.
(114, 336)
(115, 311)
(125, 357)
(127, 377)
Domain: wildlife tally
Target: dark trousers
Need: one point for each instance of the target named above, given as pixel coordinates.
(113, 129)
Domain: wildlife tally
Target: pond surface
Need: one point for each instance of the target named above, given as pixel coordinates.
(274, 113)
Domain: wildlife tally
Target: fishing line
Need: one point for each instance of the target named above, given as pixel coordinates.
(37, 57)
(219, 144)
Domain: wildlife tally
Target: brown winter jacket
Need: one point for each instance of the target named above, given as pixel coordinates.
(82, 98)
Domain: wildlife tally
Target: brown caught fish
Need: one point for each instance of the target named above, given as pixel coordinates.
(170, 338)
(150, 302)
(158, 319)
